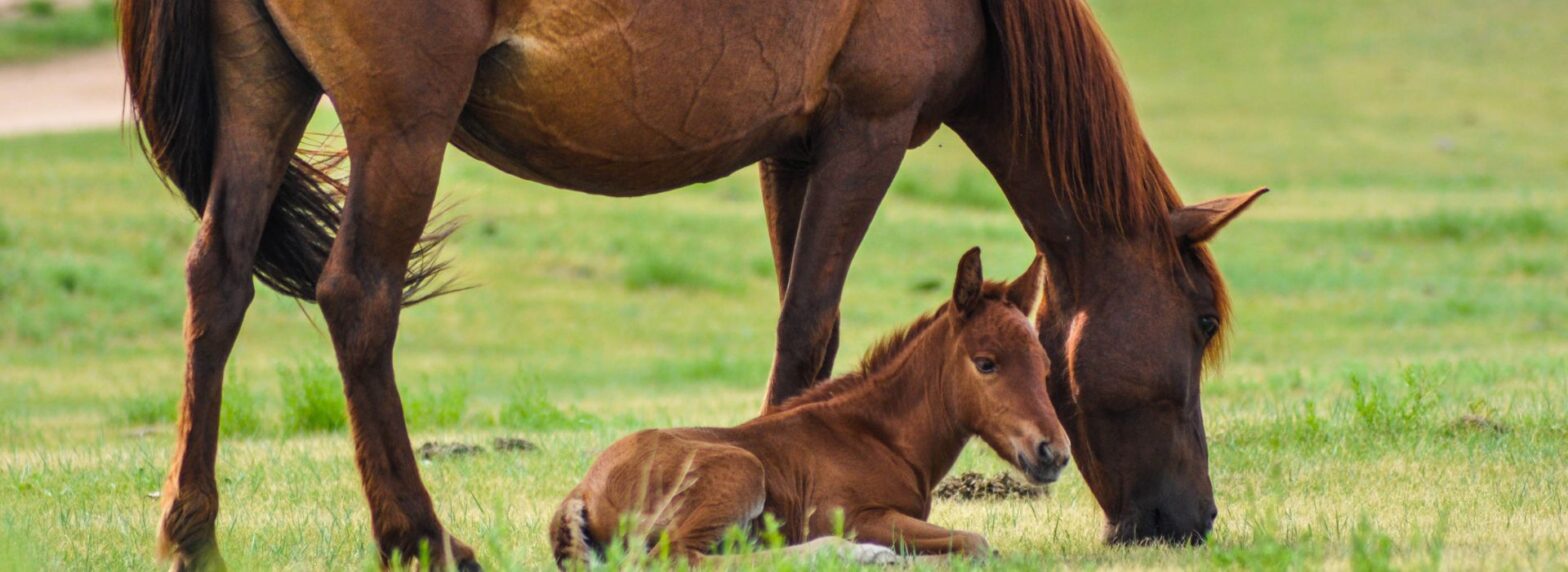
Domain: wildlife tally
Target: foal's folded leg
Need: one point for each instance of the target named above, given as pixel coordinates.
(911, 534)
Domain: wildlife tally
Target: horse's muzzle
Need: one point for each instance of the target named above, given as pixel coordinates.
(1164, 525)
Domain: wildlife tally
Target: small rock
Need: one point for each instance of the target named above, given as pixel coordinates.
(433, 449)
(512, 444)
(975, 486)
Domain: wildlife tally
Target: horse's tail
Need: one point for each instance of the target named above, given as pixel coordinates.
(569, 536)
(167, 49)
(1068, 98)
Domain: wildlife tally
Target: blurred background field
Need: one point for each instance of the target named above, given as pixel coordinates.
(1394, 395)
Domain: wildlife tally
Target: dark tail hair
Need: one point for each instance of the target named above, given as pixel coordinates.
(569, 537)
(167, 48)
(1067, 95)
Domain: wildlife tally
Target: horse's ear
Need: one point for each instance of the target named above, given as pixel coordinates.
(1200, 222)
(967, 287)
(1025, 292)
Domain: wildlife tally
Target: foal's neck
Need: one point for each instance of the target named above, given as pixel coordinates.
(908, 407)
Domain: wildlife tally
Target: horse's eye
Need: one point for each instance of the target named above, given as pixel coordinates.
(985, 365)
(1210, 326)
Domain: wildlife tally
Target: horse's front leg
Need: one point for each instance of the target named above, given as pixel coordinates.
(853, 160)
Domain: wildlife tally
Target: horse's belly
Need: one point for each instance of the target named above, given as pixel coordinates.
(636, 96)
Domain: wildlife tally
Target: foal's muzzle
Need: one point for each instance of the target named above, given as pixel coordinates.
(1044, 464)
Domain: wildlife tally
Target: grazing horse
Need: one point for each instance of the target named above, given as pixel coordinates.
(630, 97)
(879, 440)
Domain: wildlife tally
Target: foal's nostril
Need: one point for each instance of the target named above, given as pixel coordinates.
(1049, 456)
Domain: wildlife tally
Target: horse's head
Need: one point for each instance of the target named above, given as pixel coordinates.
(1146, 317)
(995, 369)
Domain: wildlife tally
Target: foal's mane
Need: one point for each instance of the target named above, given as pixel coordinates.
(1065, 88)
(883, 354)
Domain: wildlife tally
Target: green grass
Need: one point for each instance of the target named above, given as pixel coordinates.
(1393, 397)
(42, 30)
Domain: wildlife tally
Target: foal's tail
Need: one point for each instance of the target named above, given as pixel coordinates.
(569, 537)
(167, 49)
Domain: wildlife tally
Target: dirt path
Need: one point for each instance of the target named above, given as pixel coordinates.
(83, 90)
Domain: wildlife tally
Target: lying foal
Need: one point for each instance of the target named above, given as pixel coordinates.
(871, 443)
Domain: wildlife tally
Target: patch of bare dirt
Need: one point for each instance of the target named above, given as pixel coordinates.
(83, 90)
(512, 444)
(975, 486)
(435, 450)
(431, 450)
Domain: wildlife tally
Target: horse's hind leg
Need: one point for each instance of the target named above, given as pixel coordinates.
(260, 126)
(399, 81)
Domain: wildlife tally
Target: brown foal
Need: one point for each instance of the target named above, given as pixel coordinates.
(871, 443)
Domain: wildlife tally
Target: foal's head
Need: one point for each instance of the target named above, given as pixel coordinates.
(995, 369)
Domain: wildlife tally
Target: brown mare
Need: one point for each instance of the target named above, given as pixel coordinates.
(879, 440)
(631, 97)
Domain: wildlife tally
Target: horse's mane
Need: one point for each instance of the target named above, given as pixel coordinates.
(882, 354)
(1065, 87)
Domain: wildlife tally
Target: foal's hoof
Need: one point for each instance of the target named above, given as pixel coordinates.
(872, 554)
(852, 551)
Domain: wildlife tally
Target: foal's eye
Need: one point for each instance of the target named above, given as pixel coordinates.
(1210, 325)
(985, 365)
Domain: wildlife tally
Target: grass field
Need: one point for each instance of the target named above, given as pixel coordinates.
(1394, 396)
(40, 29)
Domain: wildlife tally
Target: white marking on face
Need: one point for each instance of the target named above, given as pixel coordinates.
(1074, 336)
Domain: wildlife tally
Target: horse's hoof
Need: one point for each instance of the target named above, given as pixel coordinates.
(872, 554)
(464, 555)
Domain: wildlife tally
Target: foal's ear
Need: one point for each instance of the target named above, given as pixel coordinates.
(1200, 222)
(1025, 292)
(966, 289)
